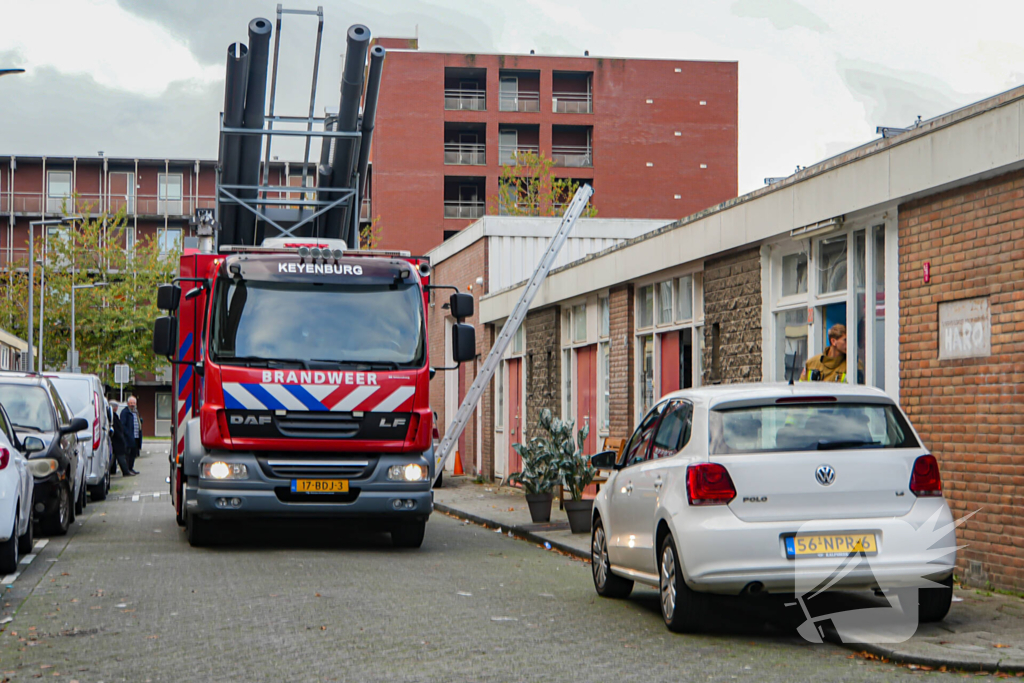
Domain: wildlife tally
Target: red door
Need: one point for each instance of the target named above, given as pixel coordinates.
(669, 362)
(515, 432)
(461, 393)
(586, 397)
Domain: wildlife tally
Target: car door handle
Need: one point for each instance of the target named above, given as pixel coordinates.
(658, 482)
(629, 488)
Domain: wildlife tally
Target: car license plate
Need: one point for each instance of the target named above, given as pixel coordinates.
(319, 485)
(830, 545)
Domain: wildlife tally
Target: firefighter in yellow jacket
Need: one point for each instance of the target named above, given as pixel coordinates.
(831, 365)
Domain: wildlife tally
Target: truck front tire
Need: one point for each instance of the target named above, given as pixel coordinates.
(408, 534)
(200, 532)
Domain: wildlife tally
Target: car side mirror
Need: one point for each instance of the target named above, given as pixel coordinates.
(463, 342)
(167, 297)
(32, 444)
(76, 425)
(460, 305)
(165, 336)
(605, 460)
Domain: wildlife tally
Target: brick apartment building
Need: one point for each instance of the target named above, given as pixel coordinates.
(914, 242)
(656, 138)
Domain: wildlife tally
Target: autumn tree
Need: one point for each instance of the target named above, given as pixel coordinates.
(529, 187)
(113, 323)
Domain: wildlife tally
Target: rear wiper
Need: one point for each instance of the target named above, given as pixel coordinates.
(254, 360)
(839, 445)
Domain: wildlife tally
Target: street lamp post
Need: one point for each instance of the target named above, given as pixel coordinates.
(32, 283)
(74, 359)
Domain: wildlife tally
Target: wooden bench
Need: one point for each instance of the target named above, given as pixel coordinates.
(611, 443)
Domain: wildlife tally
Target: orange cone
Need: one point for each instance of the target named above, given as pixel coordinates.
(458, 465)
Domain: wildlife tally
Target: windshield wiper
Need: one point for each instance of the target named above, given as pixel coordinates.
(34, 429)
(360, 364)
(849, 443)
(255, 360)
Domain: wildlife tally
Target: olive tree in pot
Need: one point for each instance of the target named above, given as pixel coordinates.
(575, 468)
(538, 477)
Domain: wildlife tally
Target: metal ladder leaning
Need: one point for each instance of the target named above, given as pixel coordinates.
(454, 431)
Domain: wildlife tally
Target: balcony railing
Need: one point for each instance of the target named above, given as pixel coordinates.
(37, 203)
(523, 100)
(572, 103)
(508, 154)
(365, 211)
(519, 209)
(465, 100)
(572, 156)
(464, 154)
(462, 209)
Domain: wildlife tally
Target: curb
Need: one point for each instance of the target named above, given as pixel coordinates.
(951, 664)
(517, 531)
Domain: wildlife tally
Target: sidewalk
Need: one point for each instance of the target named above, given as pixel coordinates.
(984, 631)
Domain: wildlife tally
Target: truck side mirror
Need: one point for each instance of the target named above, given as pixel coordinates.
(463, 342)
(165, 336)
(167, 297)
(460, 305)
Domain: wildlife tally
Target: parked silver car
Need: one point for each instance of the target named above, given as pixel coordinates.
(84, 395)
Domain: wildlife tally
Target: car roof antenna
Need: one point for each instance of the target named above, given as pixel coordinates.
(792, 369)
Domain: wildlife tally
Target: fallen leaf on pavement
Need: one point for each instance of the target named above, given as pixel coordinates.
(152, 637)
(1000, 645)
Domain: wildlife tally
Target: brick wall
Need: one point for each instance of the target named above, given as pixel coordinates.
(621, 370)
(732, 300)
(970, 412)
(543, 360)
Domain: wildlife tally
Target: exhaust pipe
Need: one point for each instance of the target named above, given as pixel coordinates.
(753, 588)
(234, 103)
(253, 117)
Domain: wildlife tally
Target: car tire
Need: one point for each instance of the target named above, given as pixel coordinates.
(99, 492)
(684, 610)
(439, 482)
(26, 540)
(933, 603)
(408, 534)
(78, 504)
(9, 551)
(200, 531)
(606, 584)
(58, 522)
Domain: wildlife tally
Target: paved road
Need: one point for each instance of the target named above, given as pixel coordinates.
(124, 598)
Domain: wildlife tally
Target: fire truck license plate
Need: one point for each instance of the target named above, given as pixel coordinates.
(319, 485)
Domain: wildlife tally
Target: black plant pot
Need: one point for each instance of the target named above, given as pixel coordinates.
(580, 513)
(540, 506)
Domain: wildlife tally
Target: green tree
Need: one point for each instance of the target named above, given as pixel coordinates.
(113, 323)
(530, 188)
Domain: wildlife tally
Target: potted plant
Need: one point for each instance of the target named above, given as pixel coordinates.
(574, 467)
(538, 477)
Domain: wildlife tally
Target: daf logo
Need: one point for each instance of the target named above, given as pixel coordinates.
(397, 422)
(825, 475)
(250, 420)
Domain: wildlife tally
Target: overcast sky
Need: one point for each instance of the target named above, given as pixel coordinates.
(145, 77)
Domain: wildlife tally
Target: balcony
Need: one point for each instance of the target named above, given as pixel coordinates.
(465, 154)
(572, 103)
(33, 203)
(458, 99)
(508, 154)
(365, 211)
(572, 156)
(463, 209)
(519, 209)
(522, 100)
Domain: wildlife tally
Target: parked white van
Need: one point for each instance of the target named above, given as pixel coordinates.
(84, 394)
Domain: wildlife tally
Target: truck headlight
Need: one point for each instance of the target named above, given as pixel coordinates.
(42, 467)
(224, 470)
(410, 472)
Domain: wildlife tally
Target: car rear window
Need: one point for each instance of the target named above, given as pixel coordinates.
(808, 427)
(76, 392)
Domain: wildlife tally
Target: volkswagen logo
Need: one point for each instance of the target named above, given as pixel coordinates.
(825, 475)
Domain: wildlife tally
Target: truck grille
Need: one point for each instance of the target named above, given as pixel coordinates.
(315, 425)
(312, 466)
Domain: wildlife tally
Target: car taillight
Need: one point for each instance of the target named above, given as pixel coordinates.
(709, 483)
(5, 457)
(926, 480)
(95, 420)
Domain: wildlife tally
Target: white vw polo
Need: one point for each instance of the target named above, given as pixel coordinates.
(777, 488)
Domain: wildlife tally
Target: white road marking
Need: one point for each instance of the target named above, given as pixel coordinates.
(156, 495)
(39, 545)
(10, 578)
(28, 559)
(135, 498)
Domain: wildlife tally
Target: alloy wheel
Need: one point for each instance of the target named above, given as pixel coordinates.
(599, 557)
(668, 582)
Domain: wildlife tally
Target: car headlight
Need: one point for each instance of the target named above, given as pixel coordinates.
(224, 470)
(42, 467)
(410, 472)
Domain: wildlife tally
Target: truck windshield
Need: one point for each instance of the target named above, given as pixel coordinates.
(272, 321)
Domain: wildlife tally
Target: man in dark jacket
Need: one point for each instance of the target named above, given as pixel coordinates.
(132, 424)
(119, 443)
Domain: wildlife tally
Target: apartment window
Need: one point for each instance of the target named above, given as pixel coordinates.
(579, 323)
(684, 298)
(567, 380)
(646, 372)
(169, 198)
(606, 317)
(645, 306)
(790, 343)
(518, 341)
(665, 302)
(794, 274)
(832, 265)
(121, 192)
(169, 239)
(58, 191)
